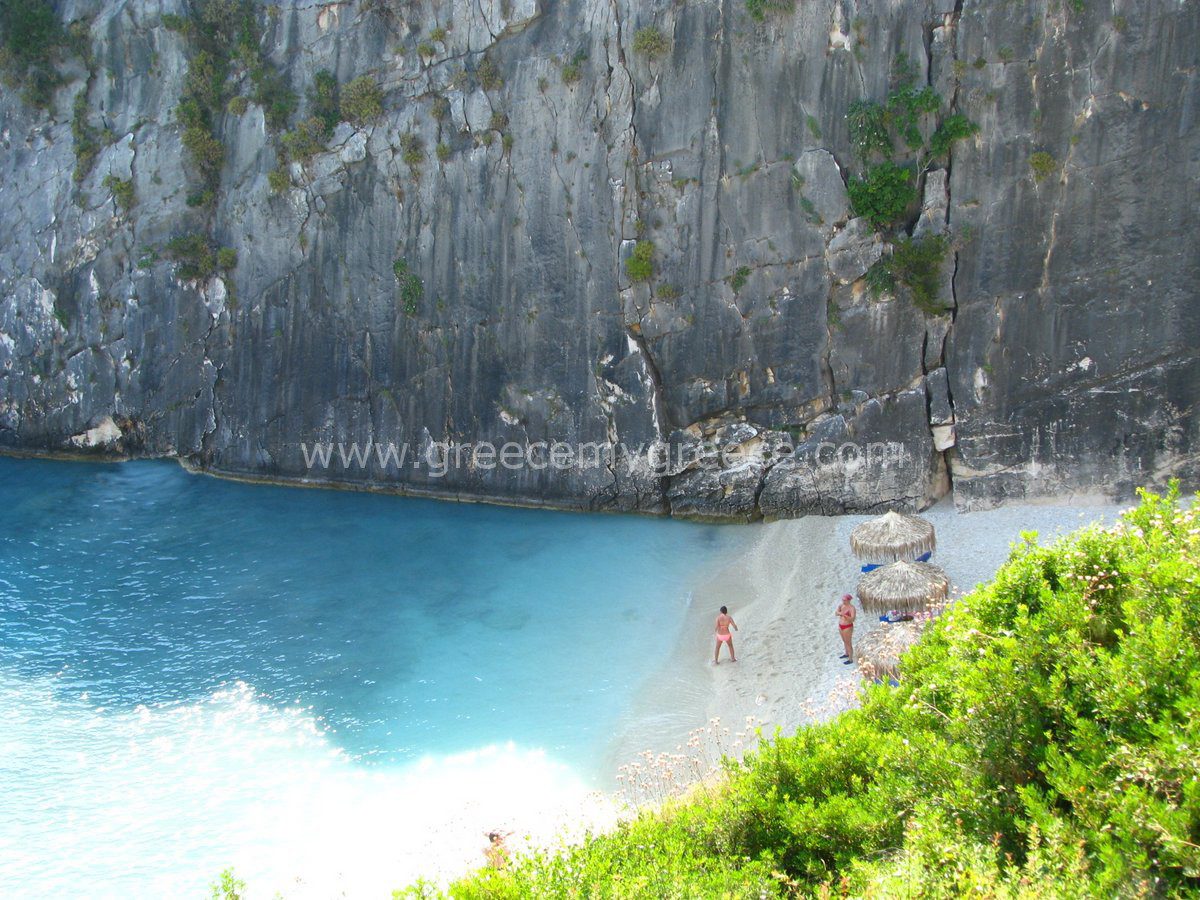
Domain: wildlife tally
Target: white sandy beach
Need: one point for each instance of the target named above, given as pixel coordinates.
(782, 590)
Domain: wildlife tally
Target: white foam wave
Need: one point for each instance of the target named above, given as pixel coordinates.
(156, 801)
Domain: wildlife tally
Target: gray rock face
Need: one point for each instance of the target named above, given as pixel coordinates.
(853, 251)
(753, 374)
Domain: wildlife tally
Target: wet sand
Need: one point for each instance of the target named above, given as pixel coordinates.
(782, 589)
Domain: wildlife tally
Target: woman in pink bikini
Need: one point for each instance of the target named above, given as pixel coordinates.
(846, 614)
(724, 623)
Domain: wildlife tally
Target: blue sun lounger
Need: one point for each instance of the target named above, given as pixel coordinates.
(924, 557)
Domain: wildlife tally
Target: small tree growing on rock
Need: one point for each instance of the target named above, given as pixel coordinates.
(361, 101)
(640, 264)
(650, 42)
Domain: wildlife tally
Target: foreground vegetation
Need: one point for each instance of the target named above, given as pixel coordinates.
(1042, 744)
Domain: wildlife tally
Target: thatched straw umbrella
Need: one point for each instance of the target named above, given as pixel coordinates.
(878, 653)
(891, 537)
(910, 586)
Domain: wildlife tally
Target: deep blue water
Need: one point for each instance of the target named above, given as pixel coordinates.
(136, 597)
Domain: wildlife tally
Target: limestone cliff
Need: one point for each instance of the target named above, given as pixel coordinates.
(452, 266)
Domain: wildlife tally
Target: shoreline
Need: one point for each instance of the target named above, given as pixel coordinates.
(1078, 498)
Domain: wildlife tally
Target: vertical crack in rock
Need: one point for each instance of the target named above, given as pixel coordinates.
(629, 200)
(952, 23)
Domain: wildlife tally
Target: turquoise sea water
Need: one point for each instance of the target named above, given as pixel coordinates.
(188, 665)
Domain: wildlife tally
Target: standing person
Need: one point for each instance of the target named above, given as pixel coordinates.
(846, 614)
(496, 852)
(724, 623)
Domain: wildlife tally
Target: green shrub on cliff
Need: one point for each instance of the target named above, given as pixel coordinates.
(412, 149)
(323, 99)
(758, 9)
(1043, 165)
(122, 190)
(883, 195)
(362, 101)
(889, 139)
(916, 264)
(197, 258)
(572, 70)
(31, 39)
(412, 289)
(305, 141)
(279, 180)
(489, 75)
(223, 38)
(953, 128)
(640, 264)
(650, 42)
(271, 92)
(1042, 743)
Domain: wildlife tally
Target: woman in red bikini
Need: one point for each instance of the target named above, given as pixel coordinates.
(724, 623)
(846, 613)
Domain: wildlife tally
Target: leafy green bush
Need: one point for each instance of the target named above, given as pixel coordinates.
(1041, 743)
(426, 49)
(572, 70)
(412, 149)
(174, 22)
(886, 191)
(1043, 164)
(279, 180)
(489, 75)
(906, 106)
(122, 191)
(440, 108)
(439, 35)
(195, 256)
(207, 153)
(916, 264)
(237, 106)
(412, 289)
(201, 198)
(955, 127)
(904, 114)
(640, 264)
(271, 92)
(323, 100)
(31, 40)
(871, 123)
(306, 140)
(362, 101)
(738, 280)
(650, 42)
(883, 195)
(868, 129)
(758, 9)
(443, 152)
(227, 887)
